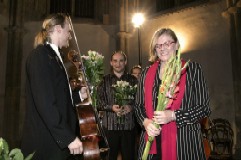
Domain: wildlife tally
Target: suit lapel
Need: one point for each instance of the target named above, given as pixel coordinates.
(54, 56)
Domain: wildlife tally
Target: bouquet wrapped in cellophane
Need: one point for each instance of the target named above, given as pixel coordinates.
(124, 93)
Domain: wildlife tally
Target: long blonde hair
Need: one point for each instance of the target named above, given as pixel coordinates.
(47, 27)
(157, 34)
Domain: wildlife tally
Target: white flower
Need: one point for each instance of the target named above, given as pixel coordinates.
(92, 53)
(122, 84)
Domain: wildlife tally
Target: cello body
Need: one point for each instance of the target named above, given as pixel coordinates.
(94, 142)
(95, 145)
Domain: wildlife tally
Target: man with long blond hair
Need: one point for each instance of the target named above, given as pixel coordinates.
(50, 128)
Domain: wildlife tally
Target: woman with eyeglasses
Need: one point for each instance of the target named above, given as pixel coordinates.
(179, 136)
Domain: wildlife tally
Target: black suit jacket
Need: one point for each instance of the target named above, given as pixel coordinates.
(51, 120)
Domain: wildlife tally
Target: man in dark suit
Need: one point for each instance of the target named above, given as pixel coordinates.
(51, 124)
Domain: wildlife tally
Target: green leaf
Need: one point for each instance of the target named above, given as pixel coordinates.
(29, 157)
(4, 147)
(1, 146)
(16, 154)
(5, 157)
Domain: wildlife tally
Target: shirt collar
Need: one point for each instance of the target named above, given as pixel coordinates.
(56, 49)
(123, 75)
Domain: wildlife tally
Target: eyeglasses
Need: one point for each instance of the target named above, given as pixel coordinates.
(164, 45)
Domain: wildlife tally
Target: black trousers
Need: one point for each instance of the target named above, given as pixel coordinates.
(123, 141)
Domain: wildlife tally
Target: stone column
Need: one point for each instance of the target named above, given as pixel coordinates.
(122, 32)
(13, 73)
(124, 21)
(106, 12)
(237, 80)
(234, 17)
(125, 31)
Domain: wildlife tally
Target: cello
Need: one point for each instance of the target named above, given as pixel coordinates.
(95, 145)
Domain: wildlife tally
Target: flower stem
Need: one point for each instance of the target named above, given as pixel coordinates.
(148, 144)
(147, 148)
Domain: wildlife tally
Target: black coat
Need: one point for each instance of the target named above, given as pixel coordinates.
(51, 120)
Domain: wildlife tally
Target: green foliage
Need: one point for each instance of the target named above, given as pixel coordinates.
(94, 69)
(124, 92)
(14, 154)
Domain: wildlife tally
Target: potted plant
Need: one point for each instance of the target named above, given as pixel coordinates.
(14, 154)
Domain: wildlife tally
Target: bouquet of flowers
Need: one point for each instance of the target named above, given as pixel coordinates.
(170, 79)
(94, 69)
(124, 92)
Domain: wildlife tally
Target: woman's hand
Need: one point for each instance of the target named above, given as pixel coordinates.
(164, 117)
(151, 128)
